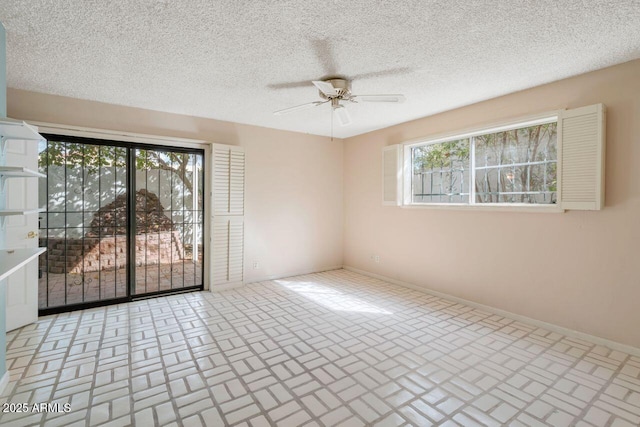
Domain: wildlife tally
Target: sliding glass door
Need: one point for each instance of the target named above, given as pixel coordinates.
(120, 221)
(168, 220)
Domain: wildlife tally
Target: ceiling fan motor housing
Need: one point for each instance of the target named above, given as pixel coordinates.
(337, 91)
(341, 87)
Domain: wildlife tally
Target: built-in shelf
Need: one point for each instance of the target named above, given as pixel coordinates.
(19, 172)
(7, 172)
(13, 259)
(11, 129)
(20, 212)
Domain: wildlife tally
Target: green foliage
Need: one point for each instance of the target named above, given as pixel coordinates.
(151, 159)
(93, 157)
(520, 162)
(552, 184)
(441, 156)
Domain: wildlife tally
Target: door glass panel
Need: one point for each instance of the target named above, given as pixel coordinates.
(84, 227)
(168, 228)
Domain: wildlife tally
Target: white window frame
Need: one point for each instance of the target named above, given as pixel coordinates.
(521, 122)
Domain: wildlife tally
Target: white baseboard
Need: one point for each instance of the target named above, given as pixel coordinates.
(539, 323)
(218, 288)
(4, 382)
(224, 287)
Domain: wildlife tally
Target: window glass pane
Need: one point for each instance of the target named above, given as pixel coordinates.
(517, 166)
(441, 172)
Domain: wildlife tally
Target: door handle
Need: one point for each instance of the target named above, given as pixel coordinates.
(32, 235)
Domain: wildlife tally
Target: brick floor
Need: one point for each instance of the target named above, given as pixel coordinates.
(53, 291)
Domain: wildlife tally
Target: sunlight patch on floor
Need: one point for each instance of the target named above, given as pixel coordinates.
(331, 298)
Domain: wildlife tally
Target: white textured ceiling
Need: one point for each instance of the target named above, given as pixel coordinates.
(241, 60)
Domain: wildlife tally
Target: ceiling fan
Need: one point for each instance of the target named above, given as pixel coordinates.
(337, 92)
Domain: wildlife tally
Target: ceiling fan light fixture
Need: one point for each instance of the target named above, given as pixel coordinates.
(343, 115)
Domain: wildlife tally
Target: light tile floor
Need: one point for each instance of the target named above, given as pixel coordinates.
(334, 348)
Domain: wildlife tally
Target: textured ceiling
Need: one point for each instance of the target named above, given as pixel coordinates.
(241, 60)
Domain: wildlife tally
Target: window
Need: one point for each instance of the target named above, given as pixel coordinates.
(441, 172)
(508, 165)
(547, 163)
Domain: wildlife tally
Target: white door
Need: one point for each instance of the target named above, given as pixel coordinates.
(22, 232)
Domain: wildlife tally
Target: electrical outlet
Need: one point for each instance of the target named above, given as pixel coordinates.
(376, 259)
(256, 265)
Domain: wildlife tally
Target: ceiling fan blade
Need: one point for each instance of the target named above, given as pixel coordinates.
(381, 73)
(324, 87)
(379, 98)
(343, 115)
(289, 85)
(298, 108)
(323, 48)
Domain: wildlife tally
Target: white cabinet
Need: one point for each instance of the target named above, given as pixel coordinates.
(18, 223)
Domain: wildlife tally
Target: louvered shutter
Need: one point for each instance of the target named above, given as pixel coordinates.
(582, 155)
(236, 182)
(228, 214)
(228, 249)
(391, 175)
(236, 249)
(220, 250)
(221, 180)
(228, 186)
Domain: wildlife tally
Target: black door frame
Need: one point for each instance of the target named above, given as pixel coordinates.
(131, 218)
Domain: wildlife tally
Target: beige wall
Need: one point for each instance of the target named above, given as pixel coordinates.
(294, 210)
(579, 270)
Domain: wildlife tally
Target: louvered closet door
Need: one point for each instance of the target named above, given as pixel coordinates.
(221, 180)
(228, 186)
(236, 182)
(228, 249)
(228, 214)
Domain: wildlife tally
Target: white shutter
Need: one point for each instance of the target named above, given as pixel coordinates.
(220, 249)
(236, 249)
(582, 155)
(228, 214)
(236, 182)
(228, 175)
(391, 175)
(221, 179)
(228, 250)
